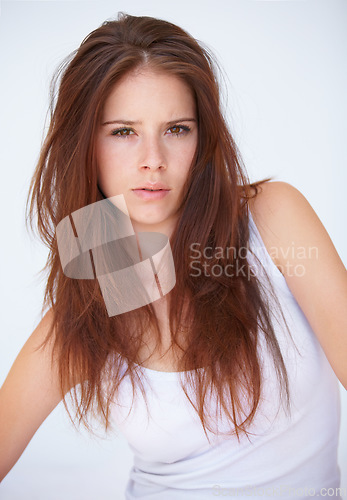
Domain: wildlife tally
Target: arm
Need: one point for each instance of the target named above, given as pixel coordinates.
(28, 395)
(312, 268)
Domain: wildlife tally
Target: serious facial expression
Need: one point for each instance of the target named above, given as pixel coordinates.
(145, 145)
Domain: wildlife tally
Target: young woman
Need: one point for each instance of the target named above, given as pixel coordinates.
(227, 383)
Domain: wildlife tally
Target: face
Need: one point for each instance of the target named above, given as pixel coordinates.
(145, 145)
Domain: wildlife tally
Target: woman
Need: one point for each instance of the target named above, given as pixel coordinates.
(213, 380)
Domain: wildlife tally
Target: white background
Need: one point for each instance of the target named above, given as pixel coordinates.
(285, 63)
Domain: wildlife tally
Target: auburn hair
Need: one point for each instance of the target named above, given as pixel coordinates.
(215, 321)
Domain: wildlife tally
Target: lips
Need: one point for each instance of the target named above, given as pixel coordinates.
(149, 192)
(157, 186)
(146, 189)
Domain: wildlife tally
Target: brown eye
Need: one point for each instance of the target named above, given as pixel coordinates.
(179, 129)
(175, 130)
(122, 132)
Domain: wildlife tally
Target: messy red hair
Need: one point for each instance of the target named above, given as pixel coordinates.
(223, 317)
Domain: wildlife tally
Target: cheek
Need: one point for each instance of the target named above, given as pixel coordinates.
(183, 157)
(113, 161)
(192, 146)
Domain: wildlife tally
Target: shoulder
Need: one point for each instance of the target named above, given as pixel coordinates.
(278, 203)
(280, 212)
(304, 253)
(29, 393)
(286, 222)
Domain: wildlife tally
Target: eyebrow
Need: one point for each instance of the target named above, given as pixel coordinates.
(130, 122)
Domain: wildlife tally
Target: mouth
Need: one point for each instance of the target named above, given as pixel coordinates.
(151, 193)
(152, 186)
(146, 189)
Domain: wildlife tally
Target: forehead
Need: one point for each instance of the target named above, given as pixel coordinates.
(147, 91)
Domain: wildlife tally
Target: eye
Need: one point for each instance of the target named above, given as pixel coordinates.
(122, 132)
(178, 130)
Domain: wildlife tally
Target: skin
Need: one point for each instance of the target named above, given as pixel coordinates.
(318, 280)
(148, 134)
(157, 147)
(282, 214)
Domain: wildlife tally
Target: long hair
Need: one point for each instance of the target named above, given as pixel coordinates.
(216, 321)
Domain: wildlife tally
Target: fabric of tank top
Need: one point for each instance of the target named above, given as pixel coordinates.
(286, 455)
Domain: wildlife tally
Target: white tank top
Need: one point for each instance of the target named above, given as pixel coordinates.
(285, 456)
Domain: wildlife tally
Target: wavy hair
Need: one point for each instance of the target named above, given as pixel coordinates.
(215, 321)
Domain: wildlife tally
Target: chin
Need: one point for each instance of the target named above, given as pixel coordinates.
(155, 224)
(147, 224)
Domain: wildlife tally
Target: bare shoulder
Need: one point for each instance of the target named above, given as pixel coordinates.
(307, 258)
(38, 348)
(274, 191)
(34, 371)
(285, 219)
(41, 333)
(30, 392)
(277, 203)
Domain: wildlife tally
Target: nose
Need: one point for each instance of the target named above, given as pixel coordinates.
(153, 154)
